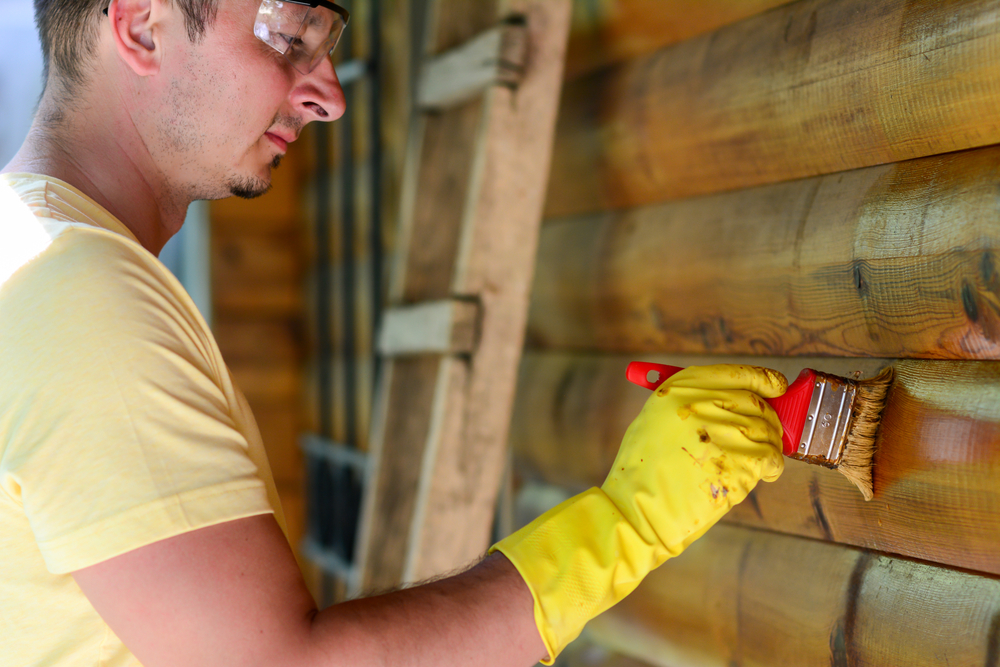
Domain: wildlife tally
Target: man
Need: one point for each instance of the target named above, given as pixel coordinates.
(138, 518)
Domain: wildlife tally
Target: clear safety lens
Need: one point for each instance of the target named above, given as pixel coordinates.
(305, 35)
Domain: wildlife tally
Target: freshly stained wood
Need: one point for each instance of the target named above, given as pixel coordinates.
(812, 87)
(935, 470)
(744, 597)
(896, 261)
(496, 57)
(613, 31)
(447, 326)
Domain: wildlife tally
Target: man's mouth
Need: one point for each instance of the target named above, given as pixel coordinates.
(278, 141)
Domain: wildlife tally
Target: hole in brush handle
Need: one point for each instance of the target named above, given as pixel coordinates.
(639, 372)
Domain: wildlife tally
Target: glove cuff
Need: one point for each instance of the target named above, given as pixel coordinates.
(578, 559)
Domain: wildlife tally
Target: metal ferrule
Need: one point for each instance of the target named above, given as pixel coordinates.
(831, 410)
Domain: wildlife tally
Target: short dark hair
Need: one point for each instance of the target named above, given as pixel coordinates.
(68, 31)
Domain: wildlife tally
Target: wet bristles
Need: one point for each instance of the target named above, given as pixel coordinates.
(856, 464)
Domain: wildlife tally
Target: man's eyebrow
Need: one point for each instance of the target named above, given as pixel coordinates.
(316, 21)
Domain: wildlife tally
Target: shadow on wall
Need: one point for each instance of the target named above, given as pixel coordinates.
(20, 74)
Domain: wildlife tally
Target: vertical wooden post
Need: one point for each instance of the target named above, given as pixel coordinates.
(472, 205)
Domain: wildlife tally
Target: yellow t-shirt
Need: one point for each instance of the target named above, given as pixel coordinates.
(120, 424)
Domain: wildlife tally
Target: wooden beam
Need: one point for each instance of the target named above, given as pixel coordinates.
(439, 160)
(612, 31)
(935, 471)
(894, 261)
(495, 57)
(437, 327)
(813, 87)
(745, 597)
(463, 467)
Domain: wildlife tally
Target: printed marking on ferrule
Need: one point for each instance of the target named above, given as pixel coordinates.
(828, 420)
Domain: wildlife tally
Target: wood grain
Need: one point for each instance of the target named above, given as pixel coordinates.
(397, 452)
(754, 598)
(935, 469)
(428, 241)
(895, 261)
(612, 31)
(812, 87)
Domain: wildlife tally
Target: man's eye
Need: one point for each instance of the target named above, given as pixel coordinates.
(290, 41)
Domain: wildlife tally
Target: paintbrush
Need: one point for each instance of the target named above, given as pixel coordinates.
(827, 420)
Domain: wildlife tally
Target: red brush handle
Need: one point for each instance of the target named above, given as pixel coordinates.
(792, 406)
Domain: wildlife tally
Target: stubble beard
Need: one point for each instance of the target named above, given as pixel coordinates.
(251, 187)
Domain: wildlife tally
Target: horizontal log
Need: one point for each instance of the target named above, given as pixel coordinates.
(613, 31)
(273, 300)
(254, 339)
(269, 383)
(745, 597)
(895, 261)
(257, 257)
(935, 468)
(813, 87)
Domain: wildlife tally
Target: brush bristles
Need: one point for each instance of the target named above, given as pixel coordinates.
(856, 464)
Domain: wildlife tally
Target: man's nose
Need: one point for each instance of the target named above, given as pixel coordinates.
(318, 94)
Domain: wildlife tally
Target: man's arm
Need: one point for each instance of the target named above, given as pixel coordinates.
(232, 594)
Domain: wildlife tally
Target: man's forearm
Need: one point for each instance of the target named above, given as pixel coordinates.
(484, 616)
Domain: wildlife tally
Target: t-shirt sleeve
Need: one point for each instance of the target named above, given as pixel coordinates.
(119, 428)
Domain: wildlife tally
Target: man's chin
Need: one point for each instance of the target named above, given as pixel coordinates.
(251, 187)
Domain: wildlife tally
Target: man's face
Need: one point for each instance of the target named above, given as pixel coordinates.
(224, 108)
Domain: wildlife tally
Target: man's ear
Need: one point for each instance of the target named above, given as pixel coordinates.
(135, 25)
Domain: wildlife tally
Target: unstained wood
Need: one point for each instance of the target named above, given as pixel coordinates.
(812, 87)
(895, 261)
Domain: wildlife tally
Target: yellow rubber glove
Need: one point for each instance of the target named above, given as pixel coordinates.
(701, 443)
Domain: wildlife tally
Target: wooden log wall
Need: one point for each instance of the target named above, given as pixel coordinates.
(803, 184)
(811, 87)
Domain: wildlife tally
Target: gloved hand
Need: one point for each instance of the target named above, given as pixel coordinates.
(699, 446)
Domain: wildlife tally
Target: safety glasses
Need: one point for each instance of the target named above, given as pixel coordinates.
(304, 31)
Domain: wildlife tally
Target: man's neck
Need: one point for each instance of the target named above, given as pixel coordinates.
(105, 161)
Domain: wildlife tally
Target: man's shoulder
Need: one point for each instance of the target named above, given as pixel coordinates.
(86, 262)
(49, 230)
(91, 288)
